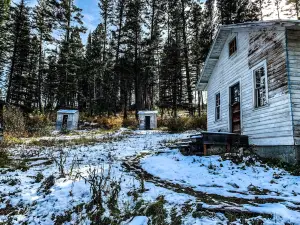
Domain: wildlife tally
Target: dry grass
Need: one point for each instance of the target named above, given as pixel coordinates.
(181, 124)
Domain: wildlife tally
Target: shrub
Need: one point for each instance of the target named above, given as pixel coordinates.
(38, 124)
(176, 124)
(197, 122)
(162, 122)
(181, 124)
(14, 121)
(4, 157)
(110, 123)
(130, 123)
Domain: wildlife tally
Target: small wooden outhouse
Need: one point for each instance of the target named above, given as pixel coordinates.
(147, 120)
(67, 119)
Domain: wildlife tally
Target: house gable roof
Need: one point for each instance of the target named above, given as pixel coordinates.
(220, 39)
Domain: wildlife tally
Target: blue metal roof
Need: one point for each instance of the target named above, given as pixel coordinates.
(67, 111)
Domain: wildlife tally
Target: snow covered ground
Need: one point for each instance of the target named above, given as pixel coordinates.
(58, 185)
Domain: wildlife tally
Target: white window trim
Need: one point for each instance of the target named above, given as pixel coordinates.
(237, 47)
(253, 69)
(216, 120)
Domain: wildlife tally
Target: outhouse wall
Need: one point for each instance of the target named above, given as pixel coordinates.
(142, 121)
(71, 123)
(271, 124)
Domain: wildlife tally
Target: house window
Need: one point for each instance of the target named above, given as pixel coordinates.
(218, 107)
(232, 46)
(260, 85)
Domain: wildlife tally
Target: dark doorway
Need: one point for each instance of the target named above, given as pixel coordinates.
(147, 122)
(235, 108)
(65, 122)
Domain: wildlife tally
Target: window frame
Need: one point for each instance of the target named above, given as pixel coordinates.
(262, 64)
(218, 107)
(236, 46)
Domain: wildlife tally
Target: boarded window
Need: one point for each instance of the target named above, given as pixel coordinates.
(232, 47)
(218, 107)
(260, 92)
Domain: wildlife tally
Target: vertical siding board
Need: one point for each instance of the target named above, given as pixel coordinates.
(293, 49)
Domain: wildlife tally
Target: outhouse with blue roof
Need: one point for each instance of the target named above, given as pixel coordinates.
(67, 119)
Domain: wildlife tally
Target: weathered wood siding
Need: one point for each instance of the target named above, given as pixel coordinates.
(293, 43)
(269, 125)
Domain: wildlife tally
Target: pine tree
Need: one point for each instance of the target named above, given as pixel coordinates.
(278, 7)
(43, 23)
(237, 11)
(184, 5)
(96, 67)
(51, 82)
(297, 7)
(195, 25)
(118, 37)
(69, 67)
(4, 15)
(76, 71)
(133, 35)
(69, 21)
(293, 11)
(170, 78)
(155, 21)
(19, 51)
(4, 8)
(32, 95)
(106, 12)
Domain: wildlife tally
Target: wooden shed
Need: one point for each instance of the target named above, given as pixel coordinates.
(252, 79)
(147, 120)
(67, 119)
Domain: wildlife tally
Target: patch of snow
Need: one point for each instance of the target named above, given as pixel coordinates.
(139, 220)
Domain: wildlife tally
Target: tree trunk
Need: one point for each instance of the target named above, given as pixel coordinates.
(186, 58)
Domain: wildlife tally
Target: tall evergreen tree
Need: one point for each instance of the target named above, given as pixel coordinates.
(133, 35)
(4, 8)
(155, 22)
(170, 78)
(237, 11)
(195, 25)
(19, 51)
(43, 23)
(69, 20)
(184, 5)
(51, 82)
(296, 4)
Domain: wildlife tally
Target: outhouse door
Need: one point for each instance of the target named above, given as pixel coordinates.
(147, 122)
(235, 108)
(65, 122)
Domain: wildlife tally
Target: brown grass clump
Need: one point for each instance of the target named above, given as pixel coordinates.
(110, 123)
(181, 124)
(130, 123)
(14, 120)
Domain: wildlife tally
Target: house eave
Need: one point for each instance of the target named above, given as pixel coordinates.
(220, 39)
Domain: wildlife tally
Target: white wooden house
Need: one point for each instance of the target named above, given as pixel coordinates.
(67, 119)
(252, 79)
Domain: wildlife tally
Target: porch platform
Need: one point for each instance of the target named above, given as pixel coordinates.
(206, 143)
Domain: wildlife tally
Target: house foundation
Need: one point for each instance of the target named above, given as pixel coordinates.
(286, 153)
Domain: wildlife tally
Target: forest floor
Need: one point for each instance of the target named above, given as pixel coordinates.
(134, 178)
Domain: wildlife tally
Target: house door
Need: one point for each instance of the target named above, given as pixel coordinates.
(235, 108)
(147, 124)
(65, 122)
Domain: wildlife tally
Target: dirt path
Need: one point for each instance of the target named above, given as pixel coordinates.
(218, 203)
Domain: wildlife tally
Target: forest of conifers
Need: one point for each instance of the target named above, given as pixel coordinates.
(144, 54)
